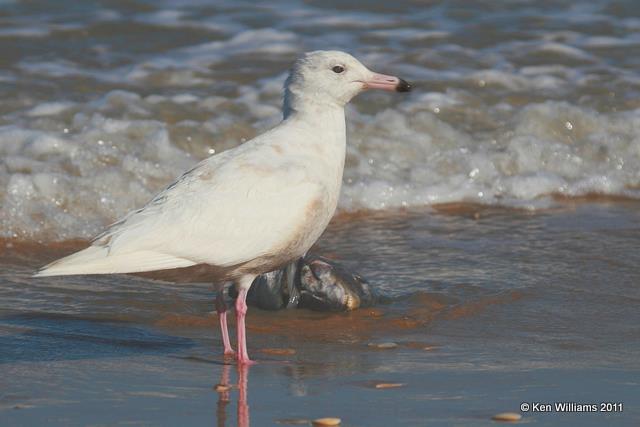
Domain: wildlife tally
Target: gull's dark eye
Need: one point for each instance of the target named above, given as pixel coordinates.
(338, 69)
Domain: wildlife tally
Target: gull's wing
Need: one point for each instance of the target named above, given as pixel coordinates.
(228, 210)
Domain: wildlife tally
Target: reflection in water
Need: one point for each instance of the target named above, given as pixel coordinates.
(243, 406)
(224, 399)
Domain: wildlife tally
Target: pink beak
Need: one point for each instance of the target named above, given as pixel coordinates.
(384, 82)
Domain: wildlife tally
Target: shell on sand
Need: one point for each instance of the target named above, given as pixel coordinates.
(389, 385)
(383, 345)
(323, 422)
(507, 417)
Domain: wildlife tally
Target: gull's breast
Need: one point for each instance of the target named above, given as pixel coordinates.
(301, 234)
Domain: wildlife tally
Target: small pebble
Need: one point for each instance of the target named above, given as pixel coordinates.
(221, 388)
(417, 345)
(383, 345)
(293, 421)
(373, 312)
(507, 417)
(389, 385)
(322, 422)
(278, 351)
(21, 406)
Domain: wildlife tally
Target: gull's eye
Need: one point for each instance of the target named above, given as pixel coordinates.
(338, 69)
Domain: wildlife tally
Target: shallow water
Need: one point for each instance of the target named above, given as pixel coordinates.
(490, 307)
(496, 206)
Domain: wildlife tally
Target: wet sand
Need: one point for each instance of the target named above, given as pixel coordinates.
(488, 307)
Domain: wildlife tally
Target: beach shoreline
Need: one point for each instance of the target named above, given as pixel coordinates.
(486, 311)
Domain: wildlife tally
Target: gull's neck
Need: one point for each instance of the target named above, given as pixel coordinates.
(312, 109)
(324, 124)
(298, 101)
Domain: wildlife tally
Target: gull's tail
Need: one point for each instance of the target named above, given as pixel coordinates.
(98, 260)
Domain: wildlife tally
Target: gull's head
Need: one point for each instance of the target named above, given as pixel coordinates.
(333, 78)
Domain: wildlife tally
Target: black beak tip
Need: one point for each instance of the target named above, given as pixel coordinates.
(403, 86)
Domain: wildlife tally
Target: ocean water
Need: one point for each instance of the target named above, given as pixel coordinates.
(497, 206)
(105, 103)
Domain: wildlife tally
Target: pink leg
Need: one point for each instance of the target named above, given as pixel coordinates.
(221, 308)
(241, 311)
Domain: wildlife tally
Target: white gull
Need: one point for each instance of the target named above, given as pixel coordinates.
(254, 208)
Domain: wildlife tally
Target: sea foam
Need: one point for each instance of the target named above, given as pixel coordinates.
(85, 169)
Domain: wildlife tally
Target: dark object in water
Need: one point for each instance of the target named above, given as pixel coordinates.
(310, 282)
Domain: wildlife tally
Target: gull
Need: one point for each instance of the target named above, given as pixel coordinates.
(251, 209)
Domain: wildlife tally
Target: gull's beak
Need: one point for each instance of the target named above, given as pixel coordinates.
(384, 82)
